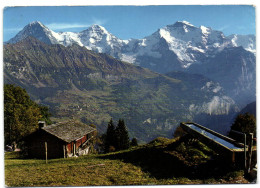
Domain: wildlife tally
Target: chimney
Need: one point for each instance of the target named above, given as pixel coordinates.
(41, 124)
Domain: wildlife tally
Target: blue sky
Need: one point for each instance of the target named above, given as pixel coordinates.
(131, 21)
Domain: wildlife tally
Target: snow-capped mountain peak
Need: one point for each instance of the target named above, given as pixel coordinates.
(189, 42)
(95, 33)
(95, 30)
(36, 23)
(187, 23)
(182, 23)
(38, 30)
(97, 38)
(181, 27)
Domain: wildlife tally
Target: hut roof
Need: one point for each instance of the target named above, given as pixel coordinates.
(69, 131)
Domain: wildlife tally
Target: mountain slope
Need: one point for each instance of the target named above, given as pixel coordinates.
(235, 69)
(250, 108)
(248, 42)
(75, 57)
(78, 83)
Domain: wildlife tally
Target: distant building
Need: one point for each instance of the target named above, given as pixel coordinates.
(65, 139)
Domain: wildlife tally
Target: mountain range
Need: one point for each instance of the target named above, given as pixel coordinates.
(78, 83)
(190, 44)
(177, 47)
(194, 74)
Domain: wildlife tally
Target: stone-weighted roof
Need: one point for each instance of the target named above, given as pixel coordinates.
(68, 131)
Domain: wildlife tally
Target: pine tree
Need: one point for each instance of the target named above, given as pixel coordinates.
(122, 136)
(110, 139)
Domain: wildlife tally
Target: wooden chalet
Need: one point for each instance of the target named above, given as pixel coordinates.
(65, 139)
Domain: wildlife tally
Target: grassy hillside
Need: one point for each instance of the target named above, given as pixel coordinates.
(161, 162)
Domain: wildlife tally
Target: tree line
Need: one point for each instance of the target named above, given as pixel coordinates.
(21, 114)
(117, 138)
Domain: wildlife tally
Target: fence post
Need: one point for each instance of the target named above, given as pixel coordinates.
(46, 152)
(245, 149)
(243, 136)
(251, 136)
(74, 148)
(64, 152)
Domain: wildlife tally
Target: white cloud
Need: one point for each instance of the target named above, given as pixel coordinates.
(60, 26)
(57, 26)
(223, 28)
(98, 21)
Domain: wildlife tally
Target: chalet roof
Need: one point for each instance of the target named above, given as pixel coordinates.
(69, 131)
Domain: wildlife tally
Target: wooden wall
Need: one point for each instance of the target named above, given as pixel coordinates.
(36, 146)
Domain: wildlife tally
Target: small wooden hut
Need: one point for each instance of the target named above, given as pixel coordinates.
(65, 139)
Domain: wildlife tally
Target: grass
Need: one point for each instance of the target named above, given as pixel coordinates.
(80, 171)
(157, 163)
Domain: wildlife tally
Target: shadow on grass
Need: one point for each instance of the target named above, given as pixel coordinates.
(164, 161)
